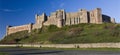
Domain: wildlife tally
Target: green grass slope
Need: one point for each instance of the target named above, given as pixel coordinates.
(80, 33)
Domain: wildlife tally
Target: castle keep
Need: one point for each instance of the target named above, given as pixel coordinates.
(60, 18)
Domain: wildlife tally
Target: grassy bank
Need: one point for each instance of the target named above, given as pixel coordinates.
(81, 33)
(1, 53)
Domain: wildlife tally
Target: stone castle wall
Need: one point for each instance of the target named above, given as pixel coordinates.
(56, 18)
(77, 17)
(15, 29)
(61, 18)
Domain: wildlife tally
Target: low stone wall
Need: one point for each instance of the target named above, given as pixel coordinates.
(91, 45)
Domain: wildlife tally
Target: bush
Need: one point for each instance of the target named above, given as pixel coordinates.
(115, 33)
(52, 28)
(75, 31)
(57, 36)
(36, 31)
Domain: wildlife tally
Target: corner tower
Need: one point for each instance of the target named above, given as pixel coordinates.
(40, 20)
(112, 20)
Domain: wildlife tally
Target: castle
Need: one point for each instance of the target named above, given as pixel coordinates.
(60, 18)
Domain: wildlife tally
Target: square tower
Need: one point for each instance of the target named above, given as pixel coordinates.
(60, 16)
(40, 20)
(83, 16)
(96, 16)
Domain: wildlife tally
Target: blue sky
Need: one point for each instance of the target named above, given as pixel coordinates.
(19, 12)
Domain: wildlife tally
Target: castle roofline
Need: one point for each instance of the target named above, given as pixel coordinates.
(61, 10)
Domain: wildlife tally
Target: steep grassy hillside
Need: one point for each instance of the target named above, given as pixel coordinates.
(81, 33)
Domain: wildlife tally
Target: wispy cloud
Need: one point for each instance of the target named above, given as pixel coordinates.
(10, 10)
(62, 4)
(58, 4)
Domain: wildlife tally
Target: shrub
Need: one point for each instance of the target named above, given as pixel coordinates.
(57, 36)
(115, 33)
(75, 31)
(52, 28)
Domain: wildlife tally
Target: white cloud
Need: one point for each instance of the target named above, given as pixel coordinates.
(10, 10)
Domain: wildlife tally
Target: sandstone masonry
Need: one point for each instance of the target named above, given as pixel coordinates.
(60, 18)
